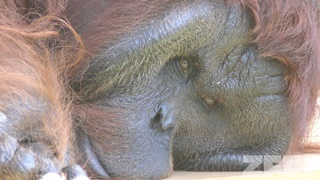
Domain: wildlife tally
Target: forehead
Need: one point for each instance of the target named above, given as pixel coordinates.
(204, 29)
(184, 29)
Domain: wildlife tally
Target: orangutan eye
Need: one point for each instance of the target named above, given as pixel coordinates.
(212, 101)
(209, 101)
(184, 65)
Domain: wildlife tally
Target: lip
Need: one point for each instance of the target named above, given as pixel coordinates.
(164, 139)
(92, 159)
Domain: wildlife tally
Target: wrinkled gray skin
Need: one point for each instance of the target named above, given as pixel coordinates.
(152, 94)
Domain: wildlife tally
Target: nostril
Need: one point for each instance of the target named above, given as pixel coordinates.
(163, 120)
(168, 123)
(156, 121)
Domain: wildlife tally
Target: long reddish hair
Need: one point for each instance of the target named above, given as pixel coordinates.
(38, 50)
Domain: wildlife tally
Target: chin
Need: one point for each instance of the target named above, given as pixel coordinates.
(149, 161)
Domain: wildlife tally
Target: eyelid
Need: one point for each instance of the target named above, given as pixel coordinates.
(211, 101)
(184, 65)
(188, 65)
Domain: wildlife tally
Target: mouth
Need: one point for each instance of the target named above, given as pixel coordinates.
(164, 139)
(92, 159)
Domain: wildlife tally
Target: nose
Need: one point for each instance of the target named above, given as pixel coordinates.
(167, 118)
(164, 119)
